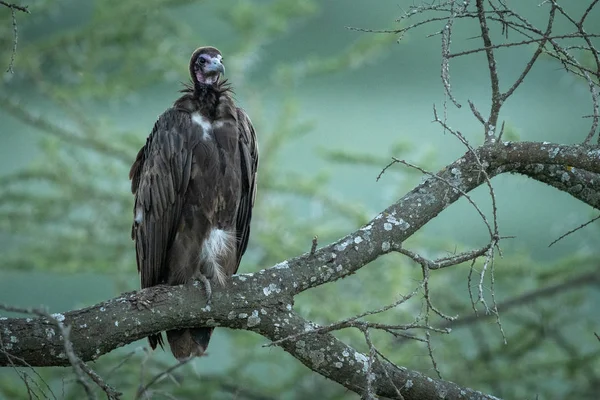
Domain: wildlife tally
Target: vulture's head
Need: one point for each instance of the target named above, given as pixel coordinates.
(206, 65)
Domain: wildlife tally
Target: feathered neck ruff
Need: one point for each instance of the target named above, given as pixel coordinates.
(203, 98)
(201, 90)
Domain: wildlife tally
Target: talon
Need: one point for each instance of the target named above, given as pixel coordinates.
(141, 303)
(207, 288)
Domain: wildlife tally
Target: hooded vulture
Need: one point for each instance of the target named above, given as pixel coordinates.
(194, 184)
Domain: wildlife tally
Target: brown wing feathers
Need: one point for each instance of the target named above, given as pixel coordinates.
(249, 165)
(162, 175)
(194, 182)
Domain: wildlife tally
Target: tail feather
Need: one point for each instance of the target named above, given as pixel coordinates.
(189, 342)
(156, 340)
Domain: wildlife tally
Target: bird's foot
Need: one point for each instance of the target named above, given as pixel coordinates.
(207, 287)
(144, 299)
(141, 302)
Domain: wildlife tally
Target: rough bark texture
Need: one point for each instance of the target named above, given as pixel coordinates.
(263, 302)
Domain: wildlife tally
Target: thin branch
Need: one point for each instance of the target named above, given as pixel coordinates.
(121, 363)
(587, 38)
(501, 132)
(13, 8)
(64, 334)
(456, 259)
(356, 322)
(587, 12)
(533, 58)
(73, 359)
(394, 161)
(79, 367)
(589, 278)
(387, 375)
(315, 243)
(470, 286)
(111, 393)
(492, 121)
(494, 235)
(446, 40)
(545, 38)
(475, 112)
(142, 390)
(22, 374)
(574, 230)
(451, 186)
(369, 393)
(493, 293)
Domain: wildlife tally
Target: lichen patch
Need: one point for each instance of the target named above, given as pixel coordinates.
(254, 319)
(272, 288)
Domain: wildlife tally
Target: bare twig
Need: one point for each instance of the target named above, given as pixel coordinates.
(587, 12)
(534, 57)
(13, 8)
(121, 363)
(492, 121)
(493, 293)
(24, 376)
(574, 230)
(111, 393)
(142, 391)
(510, 20)
(369, 393)
(469, 286)
(494, 235)
(428, 308)
(79, 367)
(355, 322)
(394, 161)
(451, 186)
(68, 346)
(521, 43)
(315, 243)
(446, 39)
(476, 113)
(73, 359)
(501, 132)
(589, 278)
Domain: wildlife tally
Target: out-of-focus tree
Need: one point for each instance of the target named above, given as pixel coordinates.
(70, 209)
(83, 65)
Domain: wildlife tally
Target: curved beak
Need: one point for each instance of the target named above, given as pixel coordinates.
(216, 65)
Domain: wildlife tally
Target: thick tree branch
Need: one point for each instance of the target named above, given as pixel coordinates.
(581, 184)
(263, 301)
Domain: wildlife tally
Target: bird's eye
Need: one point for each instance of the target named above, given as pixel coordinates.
(202, 60)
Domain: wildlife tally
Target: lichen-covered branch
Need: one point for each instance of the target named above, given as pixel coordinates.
(263, 301)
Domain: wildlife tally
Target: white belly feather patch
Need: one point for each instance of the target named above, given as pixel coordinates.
(204, 123)
(217, 245)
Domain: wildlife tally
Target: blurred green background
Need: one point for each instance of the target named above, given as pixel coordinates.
(330, 106)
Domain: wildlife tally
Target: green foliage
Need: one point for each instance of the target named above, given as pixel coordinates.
(511, 134)
(70, 209)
